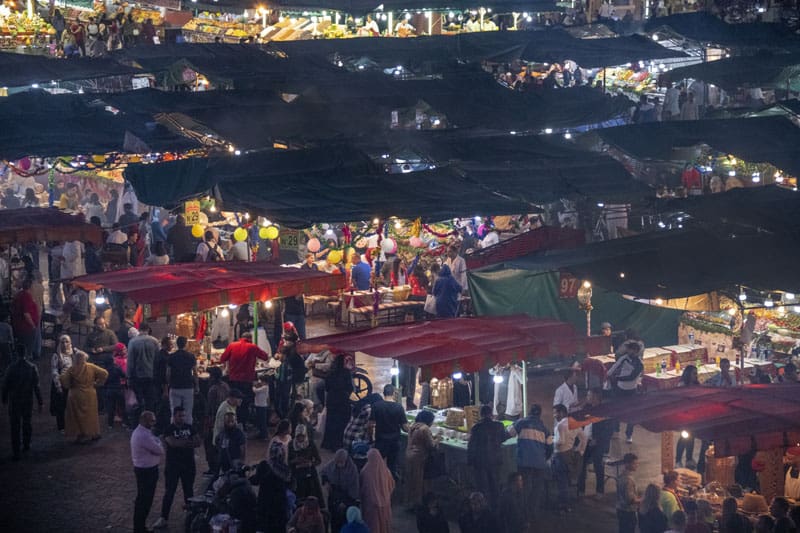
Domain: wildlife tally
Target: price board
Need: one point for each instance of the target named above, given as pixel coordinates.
(292, 243)
(191, 211)
(568, 285)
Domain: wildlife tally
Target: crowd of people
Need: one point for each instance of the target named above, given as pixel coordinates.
(99, 35)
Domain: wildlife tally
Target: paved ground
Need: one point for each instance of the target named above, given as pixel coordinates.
(71, 488)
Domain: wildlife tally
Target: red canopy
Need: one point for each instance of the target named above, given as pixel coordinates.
(468, 344)
(173, 289)
(545, 238)
(44, 224)
(731, 417)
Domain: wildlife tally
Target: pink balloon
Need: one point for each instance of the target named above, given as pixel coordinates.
(24, 163)
(313, 245)
(416, 242)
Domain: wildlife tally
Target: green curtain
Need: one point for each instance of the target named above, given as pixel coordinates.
(508, 292)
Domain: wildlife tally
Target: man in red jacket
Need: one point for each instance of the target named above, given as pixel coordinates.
(25, 317)
(241, 359)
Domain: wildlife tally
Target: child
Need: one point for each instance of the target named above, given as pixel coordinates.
(261, 392)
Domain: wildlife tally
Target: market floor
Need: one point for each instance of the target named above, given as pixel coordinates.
(71, 488)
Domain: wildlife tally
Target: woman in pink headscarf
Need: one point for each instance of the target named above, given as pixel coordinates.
(377, 485)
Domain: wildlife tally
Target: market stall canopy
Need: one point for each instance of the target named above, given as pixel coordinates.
(677, 263)
(36, 224)
(706, 28)
(467, 344)
(778, 71)
(20, 70)
(555, 46)
(36, 123)
(771, 209)
(339, 182)
(771, 140)
(734, 418)
(190, 287)
(535, 240)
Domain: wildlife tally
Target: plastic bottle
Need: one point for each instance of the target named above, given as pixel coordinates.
(663, 366)
(677, 365)
(691, 338)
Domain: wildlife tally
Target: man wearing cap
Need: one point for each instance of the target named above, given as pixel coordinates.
(142, 350)
(240, 356)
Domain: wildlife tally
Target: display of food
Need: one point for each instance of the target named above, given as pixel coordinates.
(16, 29)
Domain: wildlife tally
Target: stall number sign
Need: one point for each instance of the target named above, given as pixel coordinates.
(289, 238)
(191, 211)
(568, 286)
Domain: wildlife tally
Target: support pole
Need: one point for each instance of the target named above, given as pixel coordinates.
(667, 451)
(477, 387)
(524, 388)
(255, 321)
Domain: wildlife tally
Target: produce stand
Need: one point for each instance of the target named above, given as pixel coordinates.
(17, 29)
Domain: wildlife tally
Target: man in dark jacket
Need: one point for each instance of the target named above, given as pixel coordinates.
(483, 452)
(599, 435)
(20, 385)
(179, 237)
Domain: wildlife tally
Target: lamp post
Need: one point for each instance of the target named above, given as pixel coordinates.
(585, 303)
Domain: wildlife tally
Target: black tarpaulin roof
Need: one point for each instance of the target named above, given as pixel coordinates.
(763, 70)
(770, 209)
(341, 183)
(707, 28)
(771, 140)
(556, 46)
(678, 263)
(553, 45)
(42, 124)
(18, 70)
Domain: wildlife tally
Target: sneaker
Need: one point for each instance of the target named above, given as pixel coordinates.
(678, 464)
(629, 440)
(161, 523)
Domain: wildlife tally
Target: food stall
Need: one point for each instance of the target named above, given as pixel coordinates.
(740, 421)
(446, 351)
(190, 292)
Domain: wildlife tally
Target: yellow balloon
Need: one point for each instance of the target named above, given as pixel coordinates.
(240, 234)
(197, 231)
(334, 257)
(271, 232)
(262, 233)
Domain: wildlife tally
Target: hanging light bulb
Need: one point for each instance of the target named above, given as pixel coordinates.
(497, 379)
(225, 313)
(394, 371)
(587, 284)
(684, 434)
(768, 302)
(732, 311)
(268, 304)
(659, 301)
(789, 295)
(398, 225)
(457, 375)
(100, 299)
(742, 297)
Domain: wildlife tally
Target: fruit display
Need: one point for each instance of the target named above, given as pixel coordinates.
(16, 29)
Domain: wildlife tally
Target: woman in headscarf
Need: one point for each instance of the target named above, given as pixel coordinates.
(341, 474)
(377, 485)
(355, 524)
(446, 290)
(338, 387)
(307, 518)
(420, 446)
(60, 363)
(80, 380)
(303, 459)
(272, 477)
(301, 416)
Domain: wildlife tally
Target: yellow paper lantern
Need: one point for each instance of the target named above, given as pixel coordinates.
(197, 231)
(262, 233)
(271, 232)
(334, 257)
(240, 234)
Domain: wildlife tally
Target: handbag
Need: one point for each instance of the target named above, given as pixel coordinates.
(430, 304)
(131, 402)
